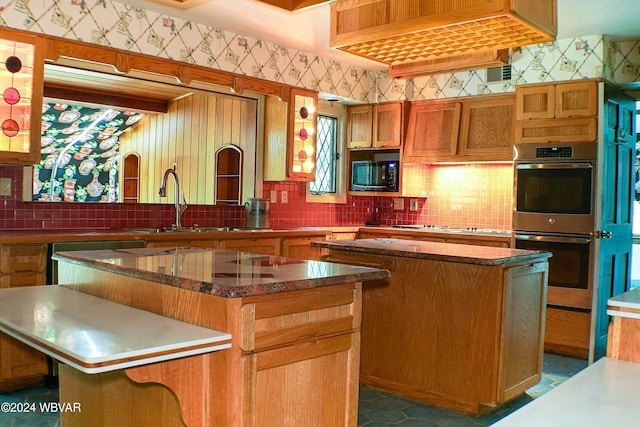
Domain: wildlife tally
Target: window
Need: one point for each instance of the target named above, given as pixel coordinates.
(328, 186)
(326, 156)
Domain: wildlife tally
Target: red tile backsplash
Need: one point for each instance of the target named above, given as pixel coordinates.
(462, 195)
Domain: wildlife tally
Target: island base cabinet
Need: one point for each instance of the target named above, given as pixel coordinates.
(301, 356)
(294, 359)
(523, 326)
(306, 385)
(463, 336)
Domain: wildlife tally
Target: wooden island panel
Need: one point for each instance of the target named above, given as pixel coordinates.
(460, 335)
(295, 353)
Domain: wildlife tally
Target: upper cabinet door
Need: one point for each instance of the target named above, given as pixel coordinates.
(557, 100)
(360, 123)
(576, 99)
(387, 132)
(487, 127)
(21, 81)
(535, 102)
(433, 130)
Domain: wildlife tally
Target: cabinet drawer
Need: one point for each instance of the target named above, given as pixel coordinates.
(23, 258)
(270, 324)
(256, 246)
(561, 130)
(343, 236)
(567, 328)
(22, 279)
(304, 351)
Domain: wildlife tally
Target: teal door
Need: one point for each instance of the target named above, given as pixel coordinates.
(614, 231)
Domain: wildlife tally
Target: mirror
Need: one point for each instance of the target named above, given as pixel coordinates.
(93, 120)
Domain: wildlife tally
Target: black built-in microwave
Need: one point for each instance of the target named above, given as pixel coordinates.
(372, 175)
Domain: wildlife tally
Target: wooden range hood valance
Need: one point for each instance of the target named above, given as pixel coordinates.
(417, 37)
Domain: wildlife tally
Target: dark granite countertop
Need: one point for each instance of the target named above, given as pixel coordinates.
(451, 252)
(220, 272)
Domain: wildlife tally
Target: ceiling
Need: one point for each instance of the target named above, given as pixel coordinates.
(308, 29)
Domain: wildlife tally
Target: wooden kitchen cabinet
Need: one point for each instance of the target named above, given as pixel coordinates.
(473, 129)
(294, 359)
(300, 247)
(181, 243)
(562, 112)
(567, 331)
(359, 126)
(290, 136)
(23, 265)
(432, 131)
(558, 100)
(21, 365)
(265, 246)
(487, 127)
(481, 343)
(305, 346)
(376, 126)
(342, 235)
(22, 56)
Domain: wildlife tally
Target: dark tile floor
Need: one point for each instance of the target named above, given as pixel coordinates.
(376, 409)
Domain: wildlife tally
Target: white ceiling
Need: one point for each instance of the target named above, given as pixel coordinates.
(308, 29)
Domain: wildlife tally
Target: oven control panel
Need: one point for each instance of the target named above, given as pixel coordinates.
(554, 152)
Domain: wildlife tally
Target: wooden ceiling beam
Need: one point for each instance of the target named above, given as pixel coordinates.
(93, 97)
(293, 4)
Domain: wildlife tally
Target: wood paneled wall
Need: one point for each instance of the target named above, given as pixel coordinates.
(189, 134)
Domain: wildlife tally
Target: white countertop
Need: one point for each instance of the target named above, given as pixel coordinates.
(95, 335)
(604, 394)
(630, 300)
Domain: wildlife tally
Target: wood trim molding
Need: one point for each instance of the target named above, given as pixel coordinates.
(289, 4)
(123, 61)
(137, 103)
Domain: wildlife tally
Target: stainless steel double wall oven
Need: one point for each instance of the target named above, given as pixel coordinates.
(554, 212)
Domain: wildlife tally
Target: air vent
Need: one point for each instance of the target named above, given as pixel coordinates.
(499, 74)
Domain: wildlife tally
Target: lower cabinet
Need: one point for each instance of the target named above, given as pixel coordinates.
(467, 337)
(304, 350)
(317, 376)
(294, 359)
(20, 365)
(567, 331)
(294, 247)
(256, 246)
(300, 247)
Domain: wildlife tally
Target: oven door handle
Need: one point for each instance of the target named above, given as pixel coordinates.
(553, 239)
(554, 166)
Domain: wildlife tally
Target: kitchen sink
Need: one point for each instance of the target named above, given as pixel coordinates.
(195, 229)
(147, 230)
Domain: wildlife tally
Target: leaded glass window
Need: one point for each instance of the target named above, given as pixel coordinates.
(326, 141)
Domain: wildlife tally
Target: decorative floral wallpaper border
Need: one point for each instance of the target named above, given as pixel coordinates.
(116, 24)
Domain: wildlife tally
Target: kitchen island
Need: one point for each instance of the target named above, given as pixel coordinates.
(457, 326)
(295, 339)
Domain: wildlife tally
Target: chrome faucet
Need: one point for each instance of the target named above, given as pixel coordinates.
(180, 207)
